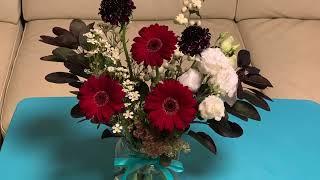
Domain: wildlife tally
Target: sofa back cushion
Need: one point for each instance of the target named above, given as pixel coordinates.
(10, 11)
(146, 9)
(300, 9)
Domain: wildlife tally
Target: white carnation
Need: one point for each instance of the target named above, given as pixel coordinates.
(192, 79)
(212, 61)
(212, 107)
(220, 68)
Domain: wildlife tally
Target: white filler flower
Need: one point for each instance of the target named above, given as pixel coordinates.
(212, 107)
(192, 79)
(117, 128)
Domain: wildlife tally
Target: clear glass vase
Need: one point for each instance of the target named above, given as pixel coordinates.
(146, 172)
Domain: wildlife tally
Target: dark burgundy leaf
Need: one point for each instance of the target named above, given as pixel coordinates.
(241, 74)
(245, 109)
(255, 100)
(239, 90)
(91, 25)
(63, 53)
(226, 128)
(76, 69)
(49, 40)
(252, 70)
(232, 111)
(68, 40)
(79, 59)
(76, 26)
(76, 112)
(107, 134)
(244, 58)
(52, 58)
(257, 81)
(74, 92)
(260, 94)
(76, 84)
(205, 140)
(59, 31)
(61, 77)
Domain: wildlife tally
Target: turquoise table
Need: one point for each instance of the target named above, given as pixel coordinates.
(45, 143)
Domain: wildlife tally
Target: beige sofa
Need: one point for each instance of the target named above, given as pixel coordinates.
(281, 34)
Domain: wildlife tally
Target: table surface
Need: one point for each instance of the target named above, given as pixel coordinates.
(45, 143)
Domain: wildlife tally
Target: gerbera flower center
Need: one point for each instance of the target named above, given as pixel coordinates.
(101, 98)
(154, 45)
(170, 105)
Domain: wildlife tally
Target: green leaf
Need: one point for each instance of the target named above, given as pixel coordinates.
(226, 128)
(246, 109)
(205, 140)
(61, 77)
(255, 100)
(63, 53)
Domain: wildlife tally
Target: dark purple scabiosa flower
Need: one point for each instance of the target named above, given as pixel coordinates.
(116, 12)
(194, 40)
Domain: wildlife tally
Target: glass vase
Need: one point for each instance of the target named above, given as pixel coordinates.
(146, 172)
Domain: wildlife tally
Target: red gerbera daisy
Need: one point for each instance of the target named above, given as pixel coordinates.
(155, 44)
(100, 98)
(170, 106)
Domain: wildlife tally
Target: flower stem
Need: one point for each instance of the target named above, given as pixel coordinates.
(124, 45)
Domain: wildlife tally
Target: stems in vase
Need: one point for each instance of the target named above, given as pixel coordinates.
(124, 45)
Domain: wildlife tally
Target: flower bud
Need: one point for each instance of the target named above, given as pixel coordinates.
(226, 45)
(184, 9)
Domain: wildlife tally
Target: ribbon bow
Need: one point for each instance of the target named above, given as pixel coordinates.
(135, 163)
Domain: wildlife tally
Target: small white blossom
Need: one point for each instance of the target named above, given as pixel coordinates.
(212, 107)
(117, 128)
(111, 69)
(178, 53)
(192, 22)
(127, 104)
(128, 114)
(133, 96)
(180, 19)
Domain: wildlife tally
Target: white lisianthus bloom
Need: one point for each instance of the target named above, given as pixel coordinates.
(212, 107)
(192, 79)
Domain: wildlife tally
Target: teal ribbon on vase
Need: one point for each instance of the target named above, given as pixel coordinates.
(133, 164)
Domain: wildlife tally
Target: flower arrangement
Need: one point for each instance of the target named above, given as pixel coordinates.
(151, 94)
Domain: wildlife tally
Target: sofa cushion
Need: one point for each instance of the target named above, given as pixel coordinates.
(146, 9)
(306, 9)
(287, 51)
(29, 71)
(10, 11)
(10, 36)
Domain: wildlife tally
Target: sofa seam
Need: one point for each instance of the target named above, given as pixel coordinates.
(3, 131)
